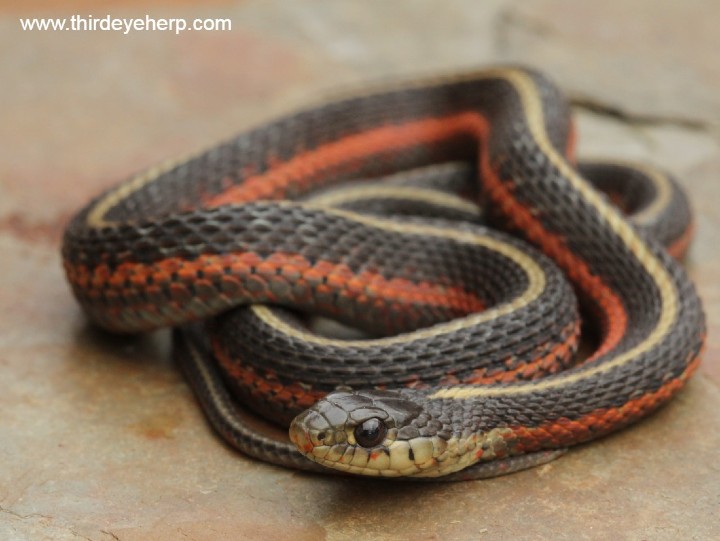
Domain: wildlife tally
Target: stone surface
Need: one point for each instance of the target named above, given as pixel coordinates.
(622, 49)
(100, 437)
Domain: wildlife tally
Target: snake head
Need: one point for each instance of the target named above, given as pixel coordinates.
(377, 433)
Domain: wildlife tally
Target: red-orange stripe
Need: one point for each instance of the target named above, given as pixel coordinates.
(559, 356)
(563, 432)
(304, 168)
(265, 385)
(366, 287)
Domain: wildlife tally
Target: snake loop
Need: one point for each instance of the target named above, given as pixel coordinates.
(466, 367)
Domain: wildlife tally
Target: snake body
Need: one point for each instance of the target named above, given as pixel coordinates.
(469, 369)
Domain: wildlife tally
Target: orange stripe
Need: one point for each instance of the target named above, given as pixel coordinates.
(291, 397)
(559, 356)
(564, 432)
(290, 273)
(305, 168)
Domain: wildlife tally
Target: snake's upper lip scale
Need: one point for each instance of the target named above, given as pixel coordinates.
(300, 437)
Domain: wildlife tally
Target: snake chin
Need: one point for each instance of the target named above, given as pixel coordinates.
(369, 433)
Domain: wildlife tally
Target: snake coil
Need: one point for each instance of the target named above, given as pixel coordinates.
(467, 367)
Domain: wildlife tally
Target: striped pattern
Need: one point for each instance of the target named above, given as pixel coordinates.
(475, 309)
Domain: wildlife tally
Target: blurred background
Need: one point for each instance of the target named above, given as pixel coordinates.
(100, 439)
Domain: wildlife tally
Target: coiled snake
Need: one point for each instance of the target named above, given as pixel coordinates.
(469, 369)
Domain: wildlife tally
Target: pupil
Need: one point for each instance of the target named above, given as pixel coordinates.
(370, 433)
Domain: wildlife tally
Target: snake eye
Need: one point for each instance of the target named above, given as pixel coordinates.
(370, 433)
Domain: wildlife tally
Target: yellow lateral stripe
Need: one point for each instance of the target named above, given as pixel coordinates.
(339, 197)
(96, 218)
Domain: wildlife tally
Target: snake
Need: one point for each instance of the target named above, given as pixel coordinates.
(480, 348)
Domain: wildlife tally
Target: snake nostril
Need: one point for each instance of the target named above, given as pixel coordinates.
(321, 436)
